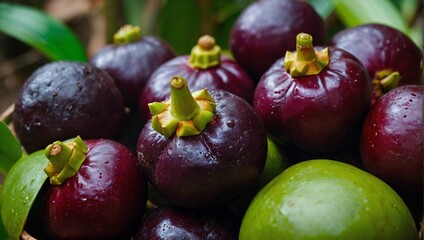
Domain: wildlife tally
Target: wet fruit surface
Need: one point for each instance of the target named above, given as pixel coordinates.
(64, 99)
(316, 113)
(392, 140)
(383, 50)
(174, 223)
(208, 169)
(144, 56)
(325, 199)
(267, 29)
(105, 200)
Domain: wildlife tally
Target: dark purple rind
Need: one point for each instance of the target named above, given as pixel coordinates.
(392, 139)
(227, 76)
(131, 65)
(316, 113)
(266, 29)
(63, 99)
(170, 222)
(105, 200)
(209, 169)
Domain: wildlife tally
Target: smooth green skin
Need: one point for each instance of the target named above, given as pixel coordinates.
(19, 190)
(326, 199)
(276, 162)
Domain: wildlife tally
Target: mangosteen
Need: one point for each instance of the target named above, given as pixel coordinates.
(97, 190)
(392, 139)
(170, 222)
(131, 59)
(391, 58)
(265, 31)
(313, 99)
(205, 67)
(63, 99)
(203, 149)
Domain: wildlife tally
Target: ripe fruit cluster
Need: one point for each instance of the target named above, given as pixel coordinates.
(193, 136)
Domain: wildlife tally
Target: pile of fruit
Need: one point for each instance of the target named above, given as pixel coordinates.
(292, 137)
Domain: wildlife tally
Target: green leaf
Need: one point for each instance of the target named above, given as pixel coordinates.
(19, 190)
(3, 233)
(10, 149)
(353, 13)
(179, 24)
(41, 31)
(323, 7)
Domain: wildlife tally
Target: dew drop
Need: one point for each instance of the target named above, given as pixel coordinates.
(231, 123)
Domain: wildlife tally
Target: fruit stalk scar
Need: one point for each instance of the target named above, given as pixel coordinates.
(205, 54)
(305, 61)
(65, 159)
(186, 113)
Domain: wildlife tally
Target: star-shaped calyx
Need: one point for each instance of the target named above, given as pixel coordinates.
(185, 113)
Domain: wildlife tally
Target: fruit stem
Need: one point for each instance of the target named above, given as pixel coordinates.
(306, 60)
(186, 113)
(205, 54)
(385, 81)
(127, 34)
(65, 159)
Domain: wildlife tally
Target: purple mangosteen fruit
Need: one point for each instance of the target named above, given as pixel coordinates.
(205, 67)
(265, 31)
(63, 99)
(169, 222)
(313, 99)
(391, 58)
(97, 190)
(201, 150)
(392, 139)
(132, 59)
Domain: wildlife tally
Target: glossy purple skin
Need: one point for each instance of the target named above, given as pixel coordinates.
(392, 139)
(316, 113)
(211, 168)
(131, 65)
(105, 200)
(266, 29)
(228, 76)
(173, 223)
(63, 99)
(380, 47)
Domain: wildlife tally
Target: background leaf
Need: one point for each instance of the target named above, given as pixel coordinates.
(10, 149)
(19, 190)
(353, 13)
(42, 32)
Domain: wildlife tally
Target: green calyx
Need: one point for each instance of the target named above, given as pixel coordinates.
(305, 61)
(65, 159)
(186, 114)
(205, 54)
(385, 81)
(127, 34)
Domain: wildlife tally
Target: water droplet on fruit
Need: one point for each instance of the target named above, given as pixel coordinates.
(23, 188)
(55, 94)
(231, 123)
(79, 87)
(106, 162)
(83, 199)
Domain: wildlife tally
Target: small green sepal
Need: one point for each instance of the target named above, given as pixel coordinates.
(305, 61)
(185, 113)
(65, 159)
(205, 54)
(127, 34)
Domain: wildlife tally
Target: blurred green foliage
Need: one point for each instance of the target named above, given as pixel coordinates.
(182, 22)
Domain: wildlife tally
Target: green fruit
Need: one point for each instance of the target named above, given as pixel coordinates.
(276, 162)
(326, 199)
